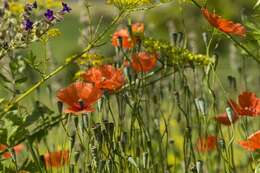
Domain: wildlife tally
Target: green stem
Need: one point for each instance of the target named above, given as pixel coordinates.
(244, 48)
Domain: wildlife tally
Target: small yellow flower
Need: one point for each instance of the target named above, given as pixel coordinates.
(16, 8)
(51, 33)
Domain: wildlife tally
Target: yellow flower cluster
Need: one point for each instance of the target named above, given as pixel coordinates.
(129, 4)
(48, 3)
(51, 33)
(16, 8)
(90, 59)
(175, 55)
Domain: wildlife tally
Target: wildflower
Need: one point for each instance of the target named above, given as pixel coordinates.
(128, 41)
(249, 104)
(252, 143)
(207, 144)
(17, 149)
(49, 15)
(224, 25)
(105, 77)
(28, 24)
(80, 97)
(144, 61)
(66, 8)
(56, 159)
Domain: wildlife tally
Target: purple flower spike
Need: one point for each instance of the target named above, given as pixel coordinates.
(49, 15)
(28, 24)
(66, 8)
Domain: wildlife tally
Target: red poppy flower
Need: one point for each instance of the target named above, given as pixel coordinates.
(252, 143)
(56, 159)
(105, 77)
(207, 144)
(79, 97)
(127, 40)
(224, 25)
(144, 61)
(17, 149)
(249, 104)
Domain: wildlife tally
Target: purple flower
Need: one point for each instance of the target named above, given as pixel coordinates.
(28, 24)
(49, 15)
(66, 8)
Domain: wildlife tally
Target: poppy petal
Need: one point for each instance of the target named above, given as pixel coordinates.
(224, 25)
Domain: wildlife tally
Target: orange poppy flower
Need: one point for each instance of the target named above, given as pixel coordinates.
(224, 25)
(56, 159)
(144, 61)
(249, 104)
(80, 97)
(128, 41)
(17, 149)
(206, 144)
(137, 28)
(252, 143)
(105, 77)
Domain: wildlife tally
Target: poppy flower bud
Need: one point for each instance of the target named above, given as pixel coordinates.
(177, 97)
(221, 143)
(201, 105)
(199, 166)
(205, 38)
(73, 139)
(60, 106)
(230, 114)
(177, 39)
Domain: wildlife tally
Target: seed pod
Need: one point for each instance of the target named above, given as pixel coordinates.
(199, 166)
(60, 106)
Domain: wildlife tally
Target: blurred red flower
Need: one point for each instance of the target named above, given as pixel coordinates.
(144, 61)
(80, 97)
(249, 104)
(128, 41)
(252, 143)
(105, 77)
(224, 25)
(206, 144)
(17, 149)
(56, 159)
